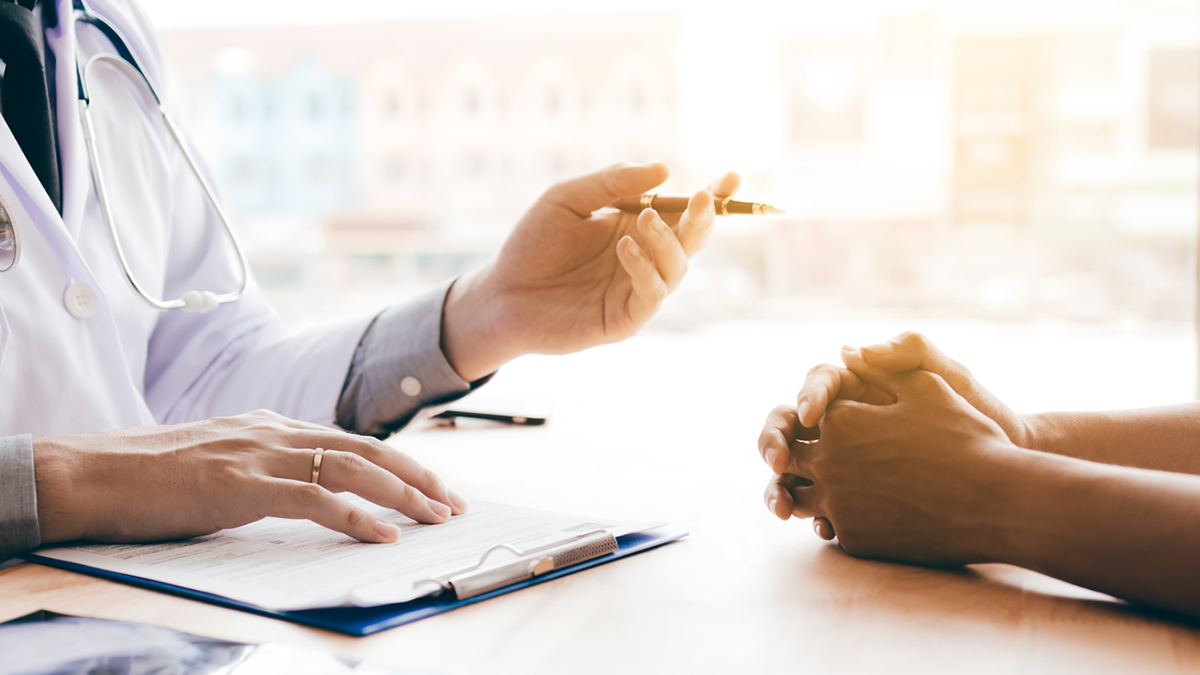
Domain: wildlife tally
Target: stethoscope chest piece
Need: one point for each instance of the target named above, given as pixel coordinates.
(10, 245)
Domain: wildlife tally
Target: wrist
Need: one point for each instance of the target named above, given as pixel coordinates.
(473, 340)
(58, 493)
(1025, 484)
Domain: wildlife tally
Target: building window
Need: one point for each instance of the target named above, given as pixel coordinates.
(474, 164)
(637, 99)
(318, 171)
(394, 168)
(391, 105)
(238, 108)
(1174, 106)
(243, 170)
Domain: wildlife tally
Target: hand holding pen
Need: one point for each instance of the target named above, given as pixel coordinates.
(722, 205)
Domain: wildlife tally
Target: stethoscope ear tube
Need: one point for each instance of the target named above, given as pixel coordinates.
(195, 301)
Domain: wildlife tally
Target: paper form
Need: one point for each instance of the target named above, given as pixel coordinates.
(285, 564)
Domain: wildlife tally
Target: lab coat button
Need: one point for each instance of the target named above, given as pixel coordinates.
(411, 386)
(80, 300)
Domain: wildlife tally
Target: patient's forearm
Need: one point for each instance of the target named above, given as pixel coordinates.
(1132, 533)
(1167, 438)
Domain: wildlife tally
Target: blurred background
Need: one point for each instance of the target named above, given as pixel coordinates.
(1018, 179)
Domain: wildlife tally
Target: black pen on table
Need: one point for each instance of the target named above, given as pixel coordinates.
(724, 206)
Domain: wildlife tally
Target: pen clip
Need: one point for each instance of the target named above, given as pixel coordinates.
(475, 579)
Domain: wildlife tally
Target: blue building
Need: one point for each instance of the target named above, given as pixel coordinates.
(286, 145)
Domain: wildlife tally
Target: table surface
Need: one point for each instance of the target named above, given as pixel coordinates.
(666, 428)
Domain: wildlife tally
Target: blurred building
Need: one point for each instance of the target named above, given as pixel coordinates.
(406, 148)
(1013, 159)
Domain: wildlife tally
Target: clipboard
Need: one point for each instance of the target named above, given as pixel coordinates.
(362, 621)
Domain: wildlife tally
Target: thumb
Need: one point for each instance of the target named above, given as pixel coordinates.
(597, 190)
(909, 351)
(884, 380)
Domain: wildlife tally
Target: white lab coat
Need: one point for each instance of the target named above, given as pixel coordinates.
(130, 364)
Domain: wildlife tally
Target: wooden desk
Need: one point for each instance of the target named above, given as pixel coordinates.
(743, 593)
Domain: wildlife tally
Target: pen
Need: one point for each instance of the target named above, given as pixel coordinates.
(725, 206)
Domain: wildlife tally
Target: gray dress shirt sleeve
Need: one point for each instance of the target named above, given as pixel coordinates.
(399, 368)
(18, 497)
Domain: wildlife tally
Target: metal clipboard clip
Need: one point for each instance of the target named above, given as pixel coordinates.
(475, 580)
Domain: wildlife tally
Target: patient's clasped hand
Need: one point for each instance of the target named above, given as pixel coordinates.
(902, 455)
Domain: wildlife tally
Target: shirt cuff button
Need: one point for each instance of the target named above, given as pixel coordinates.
(411, 386)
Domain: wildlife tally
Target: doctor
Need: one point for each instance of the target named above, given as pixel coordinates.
(136, 387)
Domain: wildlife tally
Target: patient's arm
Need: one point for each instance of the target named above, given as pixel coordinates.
(928, 479)
(1166, 438)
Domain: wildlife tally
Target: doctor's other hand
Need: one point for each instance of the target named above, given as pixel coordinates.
(171, 482)
(925, 479)
(569, 278)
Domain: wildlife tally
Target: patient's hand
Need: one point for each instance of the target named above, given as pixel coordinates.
(905, 352)
(171, 482)
(922, 479)
(825, 384)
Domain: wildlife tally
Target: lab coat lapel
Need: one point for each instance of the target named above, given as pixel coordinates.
(75, 168)
(26, 180)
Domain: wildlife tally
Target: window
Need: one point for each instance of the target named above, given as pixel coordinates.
(392, 105)
(394, 168)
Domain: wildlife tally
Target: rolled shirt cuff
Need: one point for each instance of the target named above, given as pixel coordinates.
(19, 530)
(399, 368)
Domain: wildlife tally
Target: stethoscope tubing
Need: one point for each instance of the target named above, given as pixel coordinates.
(126, 61)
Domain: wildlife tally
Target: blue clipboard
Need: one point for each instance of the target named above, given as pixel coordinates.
(360, 621)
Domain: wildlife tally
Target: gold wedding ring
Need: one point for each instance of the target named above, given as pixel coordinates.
(318, 454)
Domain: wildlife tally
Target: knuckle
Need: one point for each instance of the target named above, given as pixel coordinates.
(355, 468)
(355, 519)
(822, 370)
(309, 495)
(927, 381)
(409, 494)
(428, 478)
(374, 449)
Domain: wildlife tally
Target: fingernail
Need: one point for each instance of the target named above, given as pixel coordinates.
(802, 412)
(849, 348)
(438, 508)
(881, 348)
(771, 506)
(459, 503)
(817, 527)
(386, 530)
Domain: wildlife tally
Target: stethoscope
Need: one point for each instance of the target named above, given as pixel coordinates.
(126, 62)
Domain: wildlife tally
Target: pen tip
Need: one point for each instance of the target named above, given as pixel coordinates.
(767, 208)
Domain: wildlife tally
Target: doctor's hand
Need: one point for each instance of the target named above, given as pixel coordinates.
(172, 482)
(568, 278)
